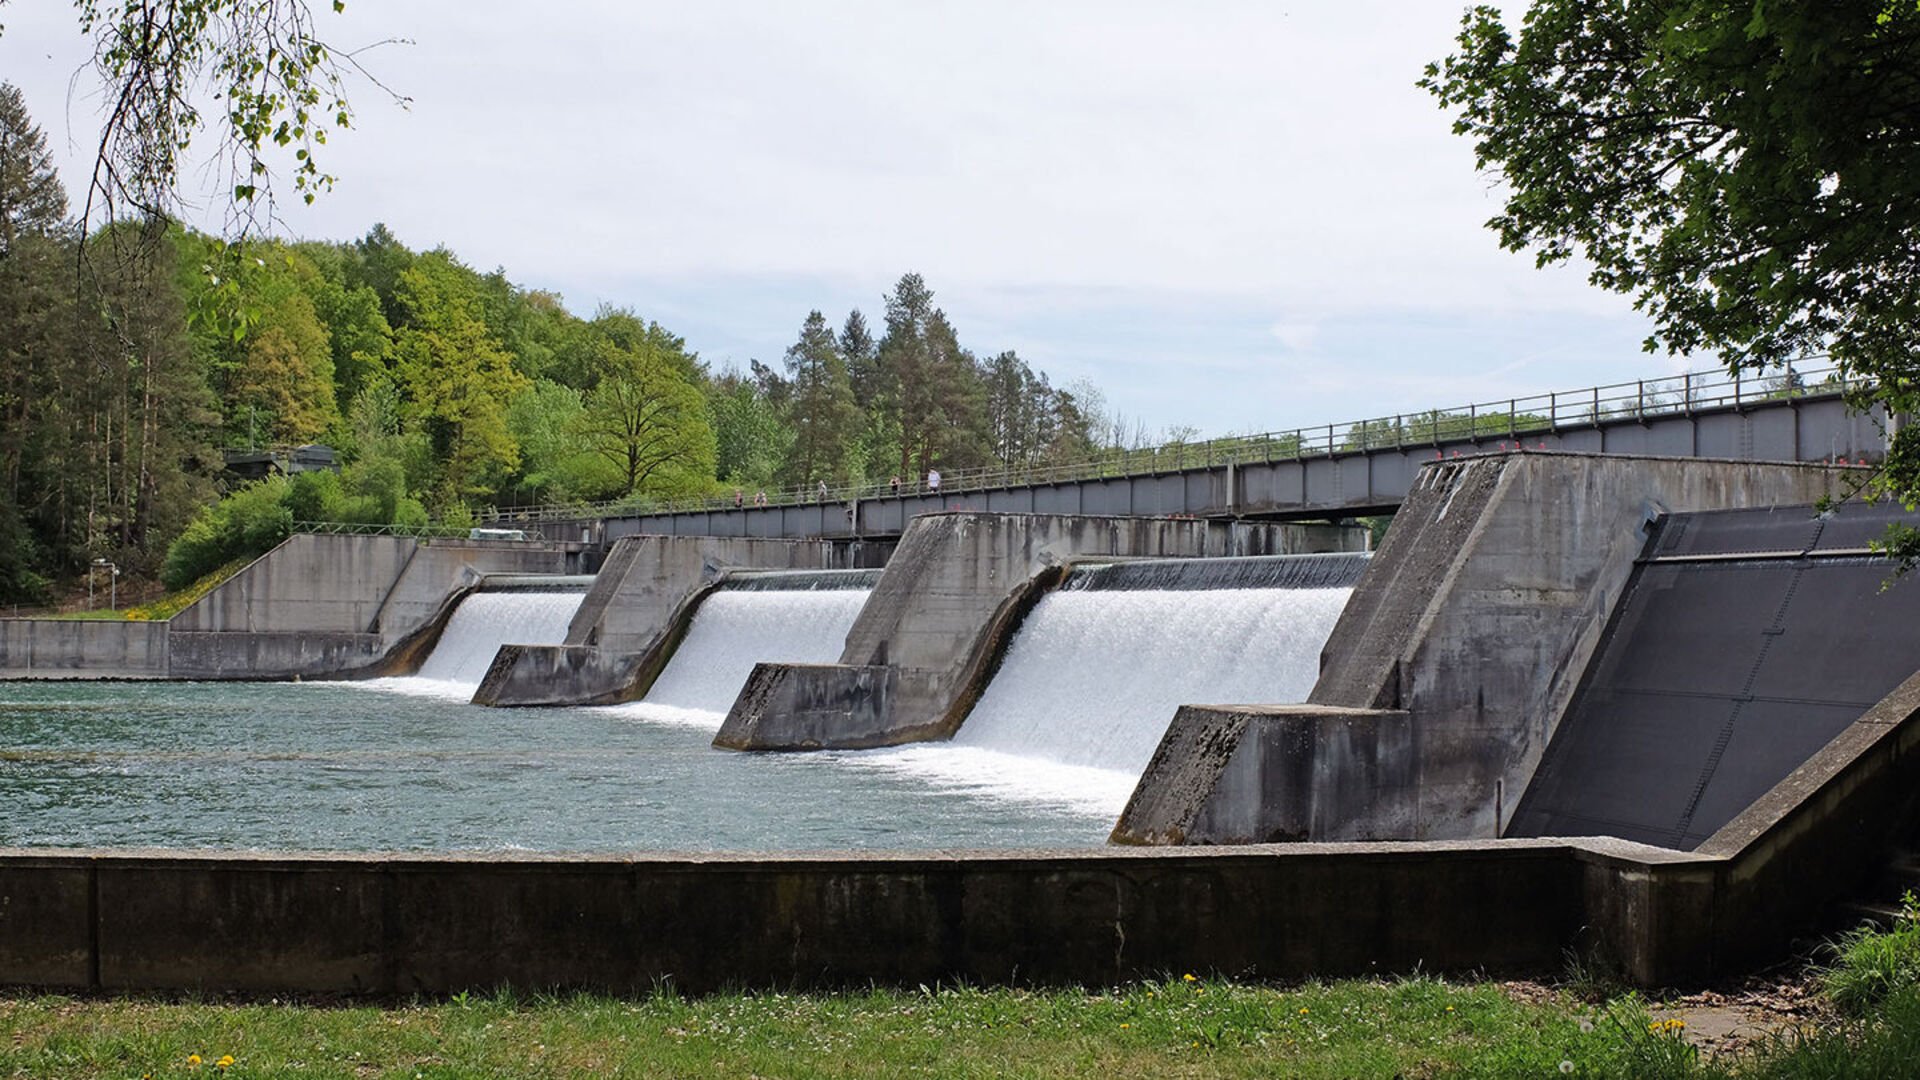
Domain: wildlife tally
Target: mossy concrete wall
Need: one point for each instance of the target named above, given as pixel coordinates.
(403, 925)
(954, 590)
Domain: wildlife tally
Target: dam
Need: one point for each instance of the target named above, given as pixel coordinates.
(1030, 748)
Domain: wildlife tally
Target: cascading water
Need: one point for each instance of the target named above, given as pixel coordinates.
(1099, 668)
(786, 618)
(482, 623)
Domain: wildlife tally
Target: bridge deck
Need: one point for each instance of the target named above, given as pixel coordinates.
(1333, 471)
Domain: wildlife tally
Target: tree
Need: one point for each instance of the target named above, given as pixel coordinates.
(281, 387)
(751, 436)
(1749, 173)
(555, 463)
(933, 390)
(454, 377)
(280, 88)
(31, 198)
(821, 407)
(34, 314)
(644, 415)
(862, 356)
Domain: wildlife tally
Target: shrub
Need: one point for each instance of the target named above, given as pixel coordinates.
(1872, 965)
(246, 523)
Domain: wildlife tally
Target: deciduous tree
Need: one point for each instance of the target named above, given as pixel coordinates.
(1749, 173)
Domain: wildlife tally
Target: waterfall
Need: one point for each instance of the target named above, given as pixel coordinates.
(752, 621)
(482, 623)
(1094, 677)
(1089, 684)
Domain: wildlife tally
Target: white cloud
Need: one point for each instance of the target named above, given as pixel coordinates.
(1047, 167)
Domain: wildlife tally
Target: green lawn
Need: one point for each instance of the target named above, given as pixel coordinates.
(1416, 1027)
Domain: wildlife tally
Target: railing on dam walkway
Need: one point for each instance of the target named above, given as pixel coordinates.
(1512, 419)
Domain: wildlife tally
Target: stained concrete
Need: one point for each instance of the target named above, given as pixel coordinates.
(1478, 615)
(953, 593)
(1275, 773)
(314, 606)
(634, 616)
(1747, 640)
(82, 649)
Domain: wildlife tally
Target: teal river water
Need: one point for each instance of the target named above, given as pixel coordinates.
(337, 767)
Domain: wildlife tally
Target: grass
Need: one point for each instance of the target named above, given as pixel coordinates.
(1414, 1027)
(164, 607)
(1184, 1027)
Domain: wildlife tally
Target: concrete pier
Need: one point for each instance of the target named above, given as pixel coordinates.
(1477, 618)
(955, 590)
(634, 616)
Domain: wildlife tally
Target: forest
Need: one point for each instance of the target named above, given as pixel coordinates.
(133, 358)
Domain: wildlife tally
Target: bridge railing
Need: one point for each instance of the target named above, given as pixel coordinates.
(354, 528)
(1509, 419)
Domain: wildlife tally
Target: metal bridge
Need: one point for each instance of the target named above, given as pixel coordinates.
(1331, 471)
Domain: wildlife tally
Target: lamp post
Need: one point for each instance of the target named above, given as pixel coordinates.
(113, 583)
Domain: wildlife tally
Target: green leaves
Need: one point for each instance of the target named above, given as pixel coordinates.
(1748, 173)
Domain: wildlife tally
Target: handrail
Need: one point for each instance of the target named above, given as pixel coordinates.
(354, 528)
(1508, 418)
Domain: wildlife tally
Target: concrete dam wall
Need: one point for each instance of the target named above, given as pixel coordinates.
(1540, 634)
(635, 615)
(316, 605)
(942, 612)
(1459, 651)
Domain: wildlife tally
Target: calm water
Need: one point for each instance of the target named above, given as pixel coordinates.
(332, 766)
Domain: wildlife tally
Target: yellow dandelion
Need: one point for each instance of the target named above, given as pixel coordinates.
(1126, 1025)
(1303, 1010)
(1449, 1008)
(193, 1060)
(225, 1061)
(1189, 978)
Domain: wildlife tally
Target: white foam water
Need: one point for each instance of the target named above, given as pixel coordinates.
(735, 629)
(1092, 680)
(482, 623)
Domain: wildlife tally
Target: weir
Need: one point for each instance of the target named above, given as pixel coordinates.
(798, 617)
(924, 646)
(1485, 677)
(520, 614)
(1100, 667)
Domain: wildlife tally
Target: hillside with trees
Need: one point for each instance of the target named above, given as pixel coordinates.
(132, 358)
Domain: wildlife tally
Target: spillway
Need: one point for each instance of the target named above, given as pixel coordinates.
(777, 617)
(523, 613)
(1096, 672)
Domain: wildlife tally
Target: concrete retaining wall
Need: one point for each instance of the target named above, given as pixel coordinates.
(314, 606)
(82, 649)
(953, 592)
(1478, 616)
(125, 922)
(387, 585)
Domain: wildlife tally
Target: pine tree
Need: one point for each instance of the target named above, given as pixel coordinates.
(821, 407)
(32, 202)
(35, 321)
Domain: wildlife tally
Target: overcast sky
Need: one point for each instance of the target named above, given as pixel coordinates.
(1234, 216)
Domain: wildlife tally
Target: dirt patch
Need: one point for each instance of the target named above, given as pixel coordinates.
(1729, 1022)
